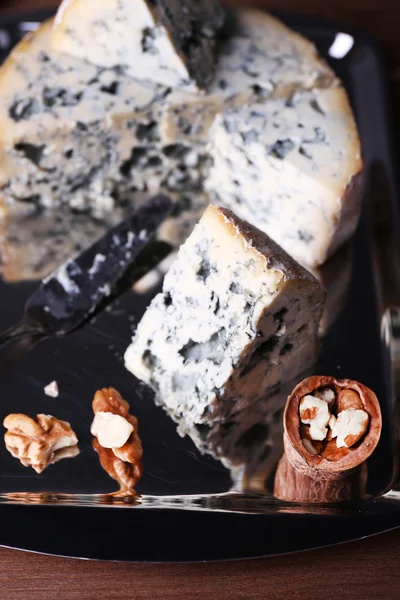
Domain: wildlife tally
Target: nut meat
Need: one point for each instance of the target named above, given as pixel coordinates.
(116, 439)
(38, 444)
(348, 425)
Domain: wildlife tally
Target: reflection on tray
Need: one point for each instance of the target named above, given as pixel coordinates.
(335, 276)
(231, 503)
(36, 242)
(250, 443)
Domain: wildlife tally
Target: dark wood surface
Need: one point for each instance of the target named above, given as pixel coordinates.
(360, 570)
(363, 570)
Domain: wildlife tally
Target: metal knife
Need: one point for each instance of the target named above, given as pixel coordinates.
(83, 286)
(386, 271)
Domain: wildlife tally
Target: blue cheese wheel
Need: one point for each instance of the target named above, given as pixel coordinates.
(91, 138)
(236, 317)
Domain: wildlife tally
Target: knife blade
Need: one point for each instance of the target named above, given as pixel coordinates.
(82, 286)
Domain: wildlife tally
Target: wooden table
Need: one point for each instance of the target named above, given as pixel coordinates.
(367, 569)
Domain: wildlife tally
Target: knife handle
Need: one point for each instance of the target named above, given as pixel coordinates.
(22, 330)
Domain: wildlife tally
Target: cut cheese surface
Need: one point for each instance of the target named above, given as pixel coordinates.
(77, 133)
(291, 167)
(73, 133)
(170, 42)
(236, 317)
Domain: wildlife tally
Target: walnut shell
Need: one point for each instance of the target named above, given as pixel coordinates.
(316, 466)
(291, 485)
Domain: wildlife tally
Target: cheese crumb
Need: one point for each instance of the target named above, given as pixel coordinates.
(52, 389)
(111, 430)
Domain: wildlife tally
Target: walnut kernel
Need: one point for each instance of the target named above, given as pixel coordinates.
(39, 444)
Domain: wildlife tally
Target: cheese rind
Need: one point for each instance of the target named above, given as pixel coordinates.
(291, 167)
(170, 42)
(235, 318)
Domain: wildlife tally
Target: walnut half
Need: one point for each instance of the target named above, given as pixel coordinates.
(331, 426)
(40, 443)
(116, 439)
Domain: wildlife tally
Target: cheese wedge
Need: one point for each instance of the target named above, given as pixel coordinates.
(236, 317)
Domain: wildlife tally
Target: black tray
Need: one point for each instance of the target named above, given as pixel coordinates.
(187, 512)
